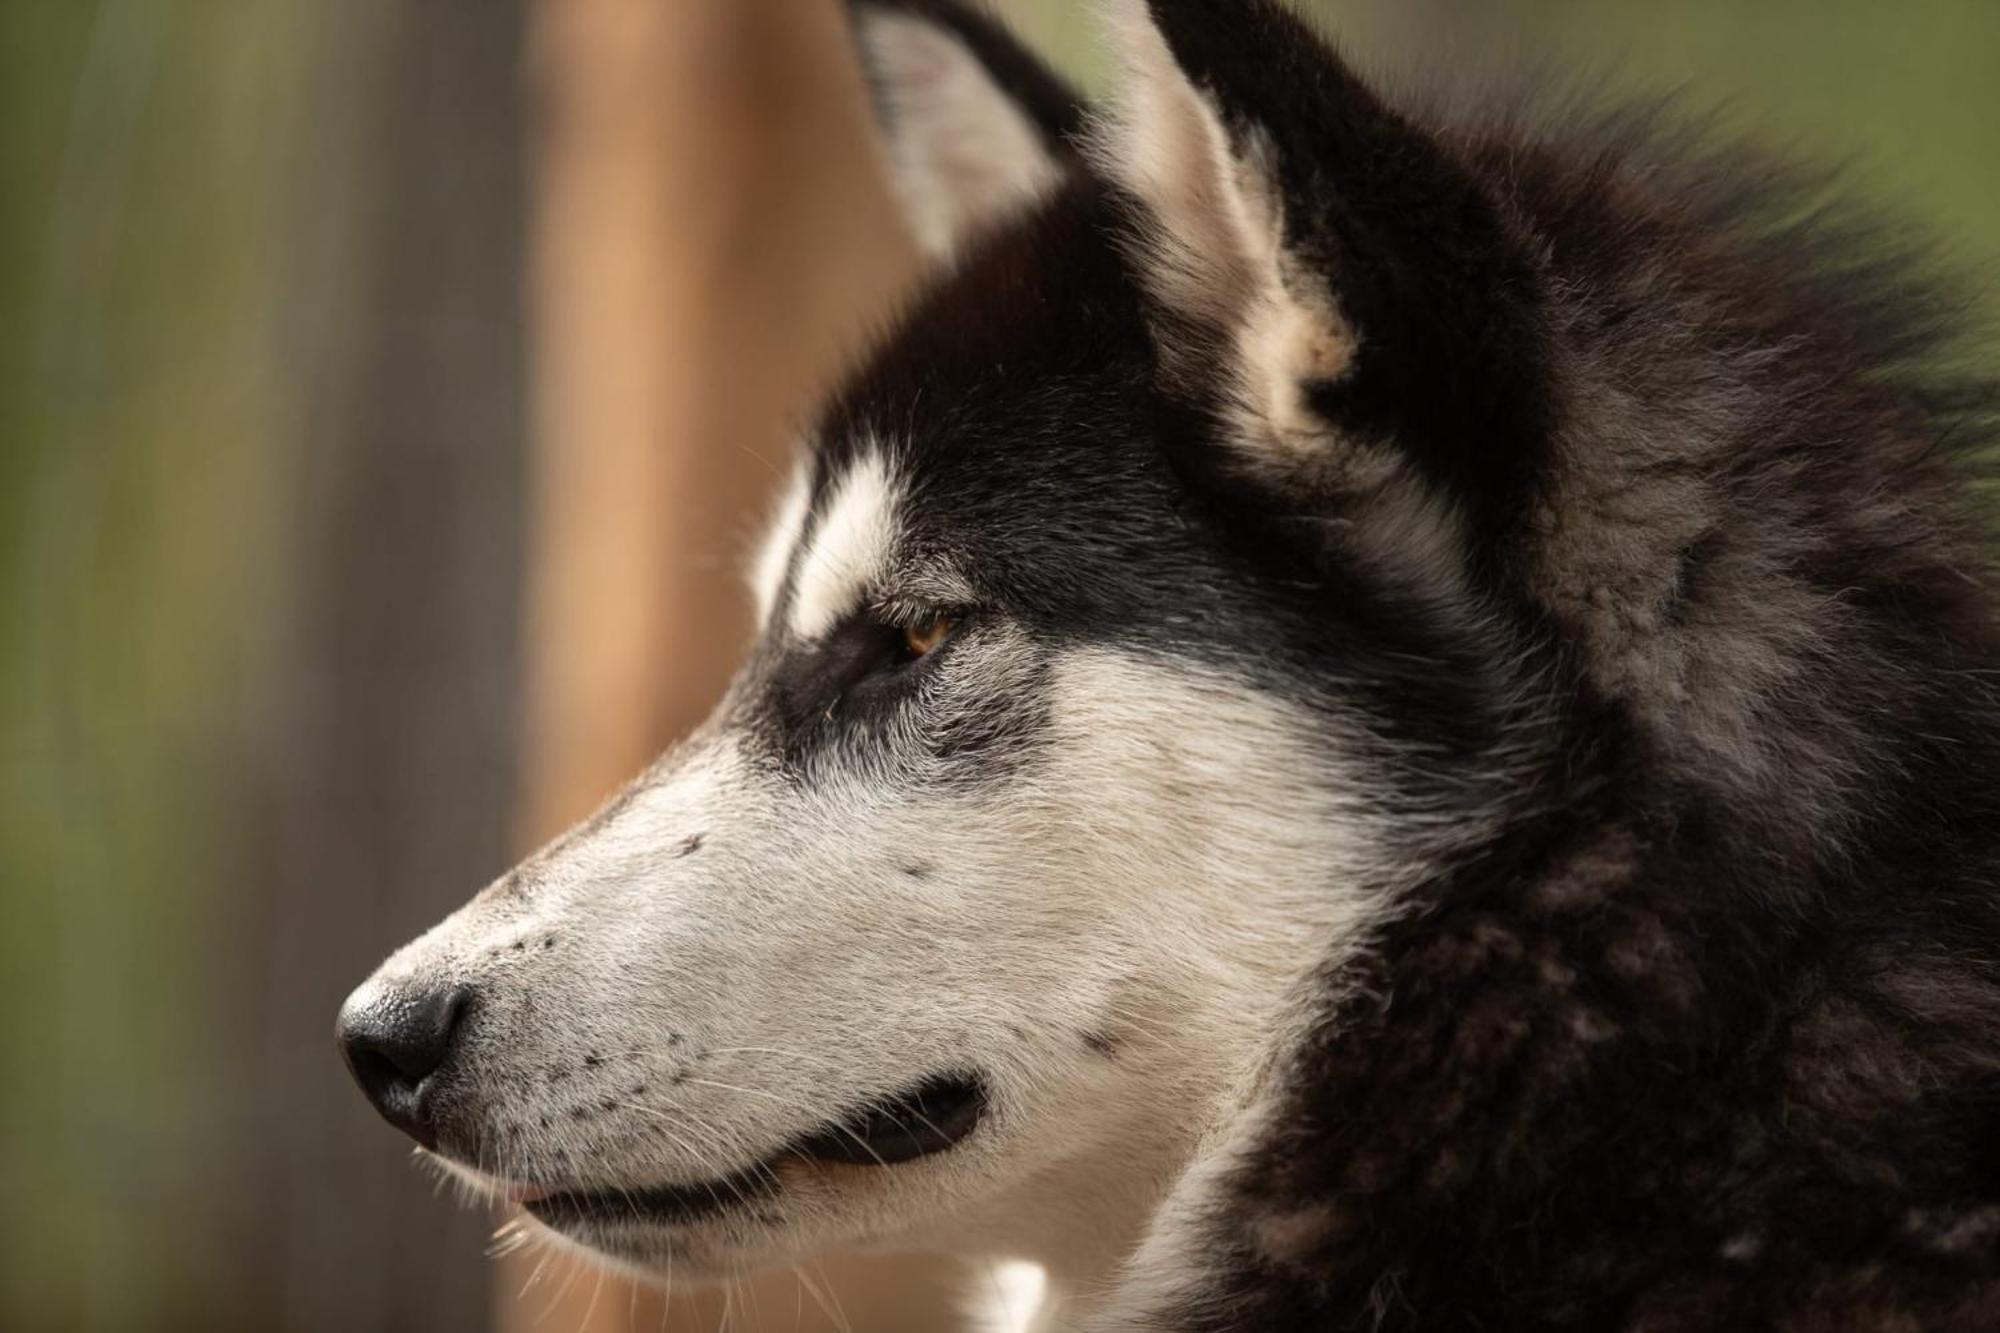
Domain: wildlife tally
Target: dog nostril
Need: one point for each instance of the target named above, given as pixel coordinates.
(395, 1040)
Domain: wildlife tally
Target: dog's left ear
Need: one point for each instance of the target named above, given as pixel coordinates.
(975, 126)
(1326, 276)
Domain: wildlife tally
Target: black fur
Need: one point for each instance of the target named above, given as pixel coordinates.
(1703, 1029)
(1450, 364)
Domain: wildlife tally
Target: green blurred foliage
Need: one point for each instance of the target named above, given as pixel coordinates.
(143, 151)
(1905, 97)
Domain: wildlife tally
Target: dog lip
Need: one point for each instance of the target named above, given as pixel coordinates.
(930, 1117)
(660, 1203)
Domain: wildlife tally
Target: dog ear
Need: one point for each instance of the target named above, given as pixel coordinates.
(975, 126)
(1326, 276)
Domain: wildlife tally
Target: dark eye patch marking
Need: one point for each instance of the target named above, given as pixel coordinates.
(855, 679)
(968, 711)
(818, 681)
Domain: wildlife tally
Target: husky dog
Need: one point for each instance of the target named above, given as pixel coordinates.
(1364, 720)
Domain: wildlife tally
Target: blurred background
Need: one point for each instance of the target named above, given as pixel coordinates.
(388, 393)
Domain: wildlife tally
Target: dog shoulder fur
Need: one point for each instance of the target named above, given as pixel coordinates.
(1709, 1035)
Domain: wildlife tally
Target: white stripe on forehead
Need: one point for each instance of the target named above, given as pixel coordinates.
(774, 557)
(850, 547)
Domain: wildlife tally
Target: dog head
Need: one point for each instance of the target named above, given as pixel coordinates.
(1063, 755)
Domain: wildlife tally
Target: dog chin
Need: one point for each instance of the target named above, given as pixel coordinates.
(820, 1208)
(660, 1255)
(719, 1246)
(722, 1224)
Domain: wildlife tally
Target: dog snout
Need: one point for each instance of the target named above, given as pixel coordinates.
(398, 1039)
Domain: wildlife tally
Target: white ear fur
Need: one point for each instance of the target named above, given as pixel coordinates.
(1213, 252)
(962, 154)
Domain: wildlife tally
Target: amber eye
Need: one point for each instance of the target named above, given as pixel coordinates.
(922, 638)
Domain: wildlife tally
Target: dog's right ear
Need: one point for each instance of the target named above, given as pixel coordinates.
(976, 128)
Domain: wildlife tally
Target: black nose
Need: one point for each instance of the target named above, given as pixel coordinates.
(397, 1040)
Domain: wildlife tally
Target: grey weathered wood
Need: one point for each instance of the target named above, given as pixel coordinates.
(391, 771)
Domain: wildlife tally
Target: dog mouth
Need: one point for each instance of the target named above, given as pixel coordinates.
(928, 1118)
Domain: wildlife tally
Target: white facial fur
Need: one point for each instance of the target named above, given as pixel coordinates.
(725, 959)
(773, 559)
(848, 549)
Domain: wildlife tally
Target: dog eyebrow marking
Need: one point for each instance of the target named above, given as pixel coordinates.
(849, 549)
(774, 556)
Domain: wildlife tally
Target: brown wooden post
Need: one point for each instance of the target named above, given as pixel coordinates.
(711, 237)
